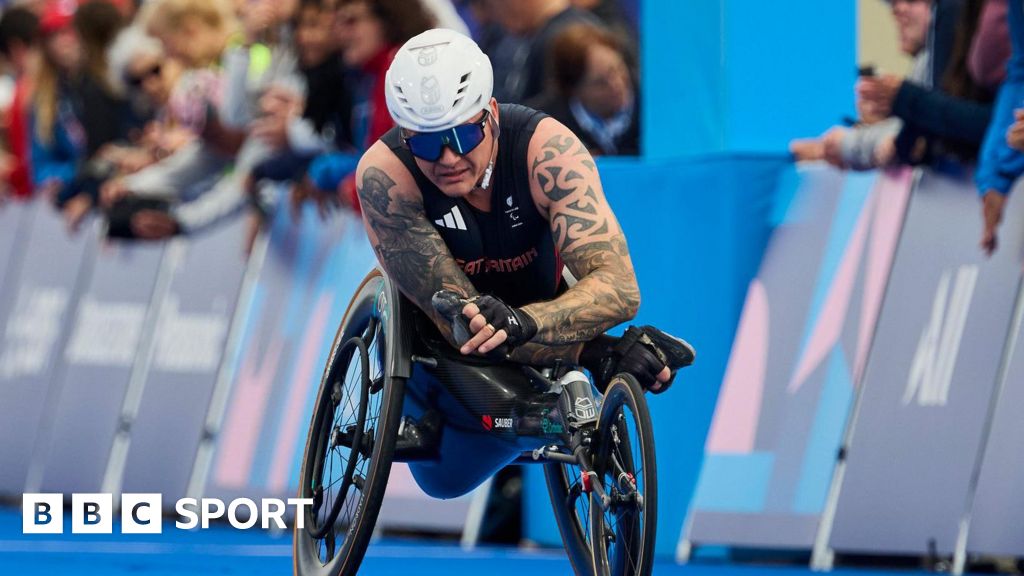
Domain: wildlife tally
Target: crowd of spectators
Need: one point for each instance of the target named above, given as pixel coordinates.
(171, 116)
(957, 111)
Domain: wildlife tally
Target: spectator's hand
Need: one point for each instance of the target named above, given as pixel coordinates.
(807, 149)
(154, 225)
(271, 129)
(1015, 134)
(877, 93)
(172, 139)
(6, 168)
(306, 190)
(134, 161)
(993, 204)
(50, 189)
(112, 153)
(832, 142)
(282, 100)
(253, 225)
(111, 191)
(278, 105)
(885, 152)
(75, 210)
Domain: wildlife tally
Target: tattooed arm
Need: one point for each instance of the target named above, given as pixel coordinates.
(406, 243)
(566, 187)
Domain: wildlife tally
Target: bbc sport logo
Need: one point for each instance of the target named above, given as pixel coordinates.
(143, 513)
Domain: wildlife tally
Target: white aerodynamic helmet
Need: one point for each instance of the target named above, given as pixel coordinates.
(438, 79)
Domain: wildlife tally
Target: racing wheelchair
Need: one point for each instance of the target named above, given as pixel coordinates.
(394, 391)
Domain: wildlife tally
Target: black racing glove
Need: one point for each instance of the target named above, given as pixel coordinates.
(643, 352)
(519, 326)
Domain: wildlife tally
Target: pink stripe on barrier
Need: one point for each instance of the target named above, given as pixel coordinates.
(299, 390)
(245, 416)
(739, 403)
(893, 195)
(829, 326)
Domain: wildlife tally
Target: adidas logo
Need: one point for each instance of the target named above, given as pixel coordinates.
(452, 219)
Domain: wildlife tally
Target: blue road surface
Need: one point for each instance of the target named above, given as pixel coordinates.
(221, 550)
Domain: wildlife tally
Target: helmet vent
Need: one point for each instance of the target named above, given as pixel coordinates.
(465, 78)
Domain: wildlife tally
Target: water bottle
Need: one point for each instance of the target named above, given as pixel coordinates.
(577, 402)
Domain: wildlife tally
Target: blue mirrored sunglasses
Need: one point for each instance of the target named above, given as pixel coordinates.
(462, 139)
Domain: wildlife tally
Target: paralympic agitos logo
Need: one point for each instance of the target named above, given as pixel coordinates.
(143, 513)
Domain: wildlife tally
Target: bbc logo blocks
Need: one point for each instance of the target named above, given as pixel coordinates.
(42, 514)
(91, 513)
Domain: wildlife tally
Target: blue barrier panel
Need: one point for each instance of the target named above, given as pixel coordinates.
(995, 526)
(307, 278)
(307, 274)
(183, 363)
(35, 316)
(696, 232)
(110, 322)
(15, 220)
(927, 388)
(800, 348)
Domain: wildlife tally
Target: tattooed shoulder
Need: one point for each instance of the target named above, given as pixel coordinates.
(375, 188)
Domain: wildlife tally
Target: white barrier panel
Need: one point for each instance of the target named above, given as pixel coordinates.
(924, 403)
(35, 316)
(111, 324)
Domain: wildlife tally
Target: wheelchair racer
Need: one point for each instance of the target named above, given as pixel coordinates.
(474, 208)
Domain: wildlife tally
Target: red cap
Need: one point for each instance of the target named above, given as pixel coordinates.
(57, 15)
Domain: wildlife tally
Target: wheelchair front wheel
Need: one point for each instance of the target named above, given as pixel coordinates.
(623, 531)
(351, 441)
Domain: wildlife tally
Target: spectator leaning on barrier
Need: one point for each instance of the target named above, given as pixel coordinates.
(195, 33)
(19, 28)
(856, 147)
(591, 90)
(140, 70)
(106, 118)
(58, 139)
(944, 119)
(371, 32)
(253, 59)
(300, 128)
(520, 55)
(1001, 161)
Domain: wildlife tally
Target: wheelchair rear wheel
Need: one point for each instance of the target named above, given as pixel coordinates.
(351, 441)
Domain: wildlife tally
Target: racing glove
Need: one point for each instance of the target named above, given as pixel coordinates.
(643, 352)
(519, 326)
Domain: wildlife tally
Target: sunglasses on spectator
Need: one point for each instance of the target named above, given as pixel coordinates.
(136, 81)
(461, 139)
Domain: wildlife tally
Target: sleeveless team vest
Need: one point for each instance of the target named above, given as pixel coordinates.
(508, 252)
